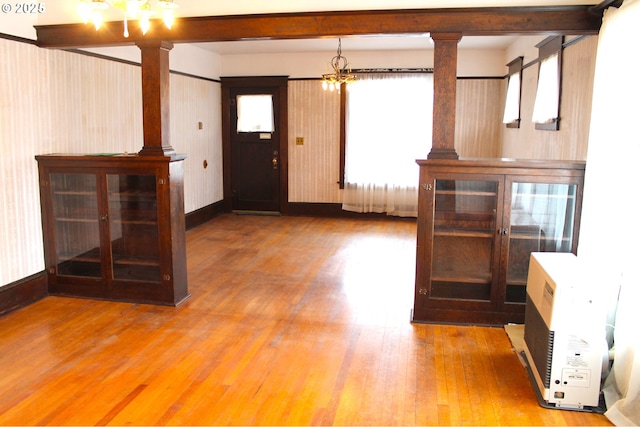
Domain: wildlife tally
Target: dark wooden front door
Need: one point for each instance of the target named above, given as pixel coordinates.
(256, 160)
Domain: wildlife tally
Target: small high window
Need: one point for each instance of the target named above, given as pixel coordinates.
(546, 110)
(512, 103)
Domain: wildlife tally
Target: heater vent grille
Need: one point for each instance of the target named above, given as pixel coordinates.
(539, 340)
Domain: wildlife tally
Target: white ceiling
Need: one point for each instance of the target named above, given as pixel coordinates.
(352, 43)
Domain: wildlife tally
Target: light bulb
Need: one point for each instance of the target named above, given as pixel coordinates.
(145, 24)
(167, 17)
(96, 18)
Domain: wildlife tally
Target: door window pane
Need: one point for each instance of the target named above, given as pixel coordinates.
(255, 113)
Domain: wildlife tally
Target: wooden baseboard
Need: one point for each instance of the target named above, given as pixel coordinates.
(23, 292)
(323, 210)
(463, 317)
(334, 210)
(202, 215)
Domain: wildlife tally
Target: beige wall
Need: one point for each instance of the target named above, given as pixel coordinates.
(194, 102)
(570, 142)
(478, 117)
(314, 114)
(25, 122)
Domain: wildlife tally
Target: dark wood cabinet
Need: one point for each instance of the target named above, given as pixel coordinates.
(114, 227)
(478, 222)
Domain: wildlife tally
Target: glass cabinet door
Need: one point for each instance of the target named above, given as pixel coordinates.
(133, 226)
(464, 239)
(76, 224)
(541, 219)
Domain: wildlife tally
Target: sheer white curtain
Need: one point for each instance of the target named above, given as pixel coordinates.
(389, 119)
(545, 108)
(512, 103)
(610, 197)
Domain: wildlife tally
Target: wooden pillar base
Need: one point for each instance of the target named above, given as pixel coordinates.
(443, 153)
(157, 151)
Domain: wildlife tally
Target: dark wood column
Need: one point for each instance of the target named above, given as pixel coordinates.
(155, 98)
(444, 95)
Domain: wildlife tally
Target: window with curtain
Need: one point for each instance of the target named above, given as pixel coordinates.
(511, 115)
(546, 109)
(388, 126)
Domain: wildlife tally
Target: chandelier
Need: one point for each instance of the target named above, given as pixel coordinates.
(341, 73)
(140, 10)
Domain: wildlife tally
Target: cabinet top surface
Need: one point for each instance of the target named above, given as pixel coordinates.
(505, 163)
(127, 158)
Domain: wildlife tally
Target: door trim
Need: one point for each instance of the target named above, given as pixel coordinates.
(281, 83)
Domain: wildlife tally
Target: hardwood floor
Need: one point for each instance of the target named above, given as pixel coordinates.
(292, 321)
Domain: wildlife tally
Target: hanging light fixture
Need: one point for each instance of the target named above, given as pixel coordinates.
(141, 10)
(341, 72)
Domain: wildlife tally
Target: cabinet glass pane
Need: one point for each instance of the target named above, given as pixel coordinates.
(76, 224)
(133, 225)
(541, 220)
(464, 236)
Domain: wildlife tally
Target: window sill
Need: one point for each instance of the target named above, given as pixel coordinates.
(553, 125)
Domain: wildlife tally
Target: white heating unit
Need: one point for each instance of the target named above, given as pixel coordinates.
(563, 333)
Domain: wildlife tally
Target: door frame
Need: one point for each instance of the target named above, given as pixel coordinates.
(281, 83)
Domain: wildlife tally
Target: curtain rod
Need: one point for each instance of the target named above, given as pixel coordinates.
(392, 70)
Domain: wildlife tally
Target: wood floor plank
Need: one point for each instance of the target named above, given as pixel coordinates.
(291, 321)
(426, 376)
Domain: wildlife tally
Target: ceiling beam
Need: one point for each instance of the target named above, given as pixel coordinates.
(560, 20)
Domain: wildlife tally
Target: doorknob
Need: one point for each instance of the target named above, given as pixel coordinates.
(274, 160)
